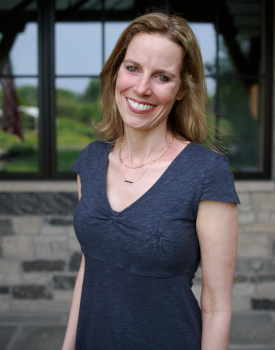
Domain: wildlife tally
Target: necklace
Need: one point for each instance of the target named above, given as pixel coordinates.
(151, 161)
(132, 182)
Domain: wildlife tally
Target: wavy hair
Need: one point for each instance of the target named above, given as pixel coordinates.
(187, 118)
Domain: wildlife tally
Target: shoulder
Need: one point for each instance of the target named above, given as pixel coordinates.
(91, 155)
(96, 148)
(203, 159)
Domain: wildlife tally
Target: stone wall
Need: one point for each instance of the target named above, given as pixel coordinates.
(40, 256)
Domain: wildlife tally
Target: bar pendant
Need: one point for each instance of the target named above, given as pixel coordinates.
(129, 182)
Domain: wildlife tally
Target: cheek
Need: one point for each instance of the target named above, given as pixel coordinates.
(123, 82)
(167, 96)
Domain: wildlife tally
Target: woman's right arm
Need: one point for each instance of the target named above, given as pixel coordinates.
(69, 340)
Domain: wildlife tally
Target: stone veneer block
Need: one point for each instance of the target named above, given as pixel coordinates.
(244, 290)
(263, 278)
(244, 199)
(63, 282)
(266, 290)
(39, 306)
(246, 217)
(4, 307)
(27, 225)
(252, 246)
(241, 303)
(63, 295)
(196, 289)
(61, 222)
(43, 250)
(6, 228)
(252, 328)
(31, 292)
(75, 261)
(263, 217)
(74, 244)
(263, 202)
(17, 247)
(43, 265)
(42, 278)
(20, 203)
(263, 304)
(54, 230)
(10, 272)
(4, 290)
(60, 249)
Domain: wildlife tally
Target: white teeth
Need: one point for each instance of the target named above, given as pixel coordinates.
(139, 106)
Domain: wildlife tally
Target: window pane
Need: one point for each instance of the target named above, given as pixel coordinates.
(77, 104)
(23, 54)
(210, 111)
(78, 48)
(18, 155)
(113, 31)
(206, 35)
(241, 116)
(240, 42)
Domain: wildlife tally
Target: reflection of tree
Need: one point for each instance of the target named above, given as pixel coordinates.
(238, 114)
(82, 107)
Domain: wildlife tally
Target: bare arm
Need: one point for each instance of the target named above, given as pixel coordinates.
(69, 341)
(217, 228)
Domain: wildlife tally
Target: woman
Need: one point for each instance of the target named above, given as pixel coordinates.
(154, 202)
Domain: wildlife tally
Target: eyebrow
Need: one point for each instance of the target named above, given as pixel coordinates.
(159, 71)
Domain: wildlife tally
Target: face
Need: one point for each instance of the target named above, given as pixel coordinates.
(148, 81)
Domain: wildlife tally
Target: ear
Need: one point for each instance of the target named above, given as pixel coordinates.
(181, 93)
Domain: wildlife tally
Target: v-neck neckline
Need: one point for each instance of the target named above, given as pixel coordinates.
(116, 213)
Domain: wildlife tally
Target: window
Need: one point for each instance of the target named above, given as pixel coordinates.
(55, 51)
(19, 112)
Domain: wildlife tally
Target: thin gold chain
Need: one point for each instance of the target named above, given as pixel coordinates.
(151, 161)
(132, 182)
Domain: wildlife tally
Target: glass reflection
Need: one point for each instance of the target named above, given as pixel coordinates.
(240, 55)
(240, 113)
(18, 155)
(23, 54)
(78, 48)
(206, 35)
(112, 33)
(76, 108)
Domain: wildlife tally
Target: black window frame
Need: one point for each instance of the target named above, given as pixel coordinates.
(46, 18)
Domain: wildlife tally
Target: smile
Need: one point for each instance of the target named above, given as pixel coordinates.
(139, 106)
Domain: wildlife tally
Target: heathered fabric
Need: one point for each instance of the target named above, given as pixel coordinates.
(140, 262)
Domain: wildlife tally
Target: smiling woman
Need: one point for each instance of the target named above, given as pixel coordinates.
(148, 85)
(154, 202)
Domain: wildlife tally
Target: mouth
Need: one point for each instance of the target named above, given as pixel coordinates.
(139, 107)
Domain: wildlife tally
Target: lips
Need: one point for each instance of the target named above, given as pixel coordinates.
(139, 107)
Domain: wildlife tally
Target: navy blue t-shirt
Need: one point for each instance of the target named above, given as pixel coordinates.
(140, 262)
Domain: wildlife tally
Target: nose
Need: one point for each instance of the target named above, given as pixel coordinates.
(142, 86)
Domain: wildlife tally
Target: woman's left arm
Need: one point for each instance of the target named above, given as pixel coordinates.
(217, 229)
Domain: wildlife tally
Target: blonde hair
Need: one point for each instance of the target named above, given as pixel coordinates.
(187, 118)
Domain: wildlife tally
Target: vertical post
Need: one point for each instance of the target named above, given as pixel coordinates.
(269, 61)
(47, 154)
(217, 94)
(103, 30)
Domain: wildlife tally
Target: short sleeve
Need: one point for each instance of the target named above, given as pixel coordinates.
(77, 167)
(218, 183)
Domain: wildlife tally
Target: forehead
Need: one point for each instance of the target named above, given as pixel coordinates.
(154, 48)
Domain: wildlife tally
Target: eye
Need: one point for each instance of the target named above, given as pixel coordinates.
(131, 68)
(163, 78)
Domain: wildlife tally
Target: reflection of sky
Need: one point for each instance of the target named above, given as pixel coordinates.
(78, 50)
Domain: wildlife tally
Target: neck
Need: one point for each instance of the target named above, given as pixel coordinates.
(139, 146)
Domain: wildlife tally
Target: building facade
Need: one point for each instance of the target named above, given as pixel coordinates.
(51, 54)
